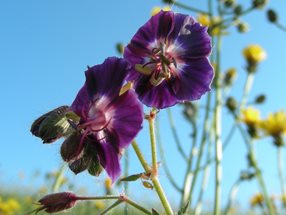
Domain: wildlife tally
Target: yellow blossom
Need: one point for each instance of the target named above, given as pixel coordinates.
(108, 183)
(275, 124)
(156, 10)
(257, 200)
(10, 206)
(205, 20)
(99, 204)
(254, 53)
(250, 116)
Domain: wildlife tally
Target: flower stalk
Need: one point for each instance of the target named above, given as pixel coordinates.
(155, 180)
(280, 171)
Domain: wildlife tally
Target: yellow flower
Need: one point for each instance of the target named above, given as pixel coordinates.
(99, 204)
(10, 206)
(108, 183)
(156, 10)
(250, 116)
(257, 200)
(254, 53)
(275, 124)
(206, 21)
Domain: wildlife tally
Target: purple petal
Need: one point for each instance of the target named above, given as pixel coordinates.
(193, 79)
(107, 78)
(161, 96)
(195, 41)
(109, 159)
(180, 23)
(127, 118)
(81, 103)
(156, 29)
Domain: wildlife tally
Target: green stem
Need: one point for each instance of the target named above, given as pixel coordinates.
(188, 195)
(155, 180)
(120, 199)
(83, 198)
(138, 207)
(126, 174)
(176, 137)
(280, 170)
(118, 202)
(162, 196)
(59, 179)
(151, 121)
(140, 156)
(218, 142)
(232, 196)
(189, 174)
(181, 5)
(198, 207)
(163, 159)
(260, 178)
(280, 26)
(229, 136)
(246, 90)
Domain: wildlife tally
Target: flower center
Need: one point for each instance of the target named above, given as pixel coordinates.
(96, 120)
(160, 65)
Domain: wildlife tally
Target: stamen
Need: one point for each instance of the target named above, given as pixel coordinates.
(125, 88)
(143, 70)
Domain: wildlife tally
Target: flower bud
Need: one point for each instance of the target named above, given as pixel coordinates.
(242, 27)
(52, 125)
(120, 48)
(259, 3)
(231, 104)
(278, 141)
(238, 10)
(272, 16)
(229, 77)
(229, 3)
(57, 202)
(247, 175)
(168, 1)
(147, 184)
(260, 99)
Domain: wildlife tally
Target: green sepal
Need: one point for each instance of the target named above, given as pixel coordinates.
(132, 177)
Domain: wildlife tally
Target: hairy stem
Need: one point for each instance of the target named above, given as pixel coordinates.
(155, 180)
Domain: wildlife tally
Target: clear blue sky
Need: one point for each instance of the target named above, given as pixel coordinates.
(45, 47)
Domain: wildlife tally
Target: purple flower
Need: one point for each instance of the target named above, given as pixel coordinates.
(108, 121)
(169, 57)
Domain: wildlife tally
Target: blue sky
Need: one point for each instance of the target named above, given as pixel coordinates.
(45, 47)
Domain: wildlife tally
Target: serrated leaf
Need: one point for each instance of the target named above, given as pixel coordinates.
(132, 177)
(154, 212)
(184, 209)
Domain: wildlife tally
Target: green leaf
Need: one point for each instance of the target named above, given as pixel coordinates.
(132, 177)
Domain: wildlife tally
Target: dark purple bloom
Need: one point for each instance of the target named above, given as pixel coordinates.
(169, 57)
(108, 121)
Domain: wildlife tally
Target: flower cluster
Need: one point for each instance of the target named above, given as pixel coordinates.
(274, 125)
(166, 61)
